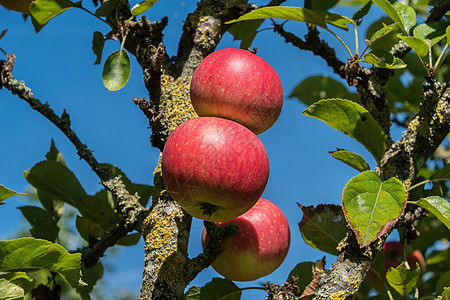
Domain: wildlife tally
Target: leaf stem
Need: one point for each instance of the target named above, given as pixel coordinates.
(356, 39)
(426, 181)
(343, 43)
(440, 58)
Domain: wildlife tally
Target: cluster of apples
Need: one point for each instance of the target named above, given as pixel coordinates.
(216, 167)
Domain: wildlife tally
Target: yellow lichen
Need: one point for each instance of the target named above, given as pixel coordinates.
(338, 296)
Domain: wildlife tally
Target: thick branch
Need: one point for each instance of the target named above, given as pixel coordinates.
(440, 8)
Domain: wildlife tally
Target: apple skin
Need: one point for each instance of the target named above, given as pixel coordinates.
(258, 248)
(17, 5)
(216, 169)
(238, 85)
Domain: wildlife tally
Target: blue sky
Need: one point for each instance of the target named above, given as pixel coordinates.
(57, 64)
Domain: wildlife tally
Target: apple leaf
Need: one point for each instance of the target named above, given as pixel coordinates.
(10, 291)
(21, 279)
(42, 224)
(6, 193)
(116, 70)
(245, 32)
(447, 32)
(88, 228)
(286, 13)
(390, 10)
(315, 88)
(407, 14)
(383, 59)
(443, 174)
(362, 12)
(26, 254)
(402, 279)
(337, 20)
(97, 46)
(99, 208)
(142, 7)
(372, 207)
(446, 294)
(433, 32)
(130, 239)
(55, 180)
(382, 32)
(304, 274)
(218, 288)
(444, 281)
(323, 227)
(2, 34)
(439, 207)
(351, 159)
(419, 46)
(106, 8)
(43, 11)
(353, 120)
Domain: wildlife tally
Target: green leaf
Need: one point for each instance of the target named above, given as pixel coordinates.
(106, 8)
(318, 87)
(446, 294)
(353, 120)
(390, 10)
(337, 20)
(218, 289)
(439, 207)
(10, 291)
(91, 276)
(444, 173)
(433, 32)
(383, 59)
(372, 207)
(88, 228)
(130, 239)
(26, 254)
(387, 40)
(444, 281)
(245, 31)
(43, 11)
(99, 208)
(142, 7)
(403, 280)
(382, 32)
(2, 34)
(407, 14)
(115, 171)
(55, 180)
(323, 227)
(419, 46)
(6, 193)
(52, 205)
(97, 46)
(284, 12)
(323, 4)
(447, 32)
(42, 224)
(304, 272)
(362, 12)
(55, 155)
(21, 279)
(145, 192)
(116, 70)
(354, 160)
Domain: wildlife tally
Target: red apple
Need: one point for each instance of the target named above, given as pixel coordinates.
(216, 169)
(238, 85)
(258, 248)
(17, 5)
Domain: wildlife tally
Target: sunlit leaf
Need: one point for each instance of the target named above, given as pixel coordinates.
(383, 59)
(245, 32)
(97, 46)
(43, 11)
(402, 279)
(419, 46)
(352, 159)
(353, 120)
(142, 7)
(218, 288)
(407, 14)
(439, 207)
(372, 207)
(20, 279)
(116, 70)
(42, 224)
(337, 20)
(10, 291)
(31, 254)
(286, 13)
(447, 32)
(444, 281)
(390, 10)
(382, 32)
(433, 32)
(6, 193)
(323, 227)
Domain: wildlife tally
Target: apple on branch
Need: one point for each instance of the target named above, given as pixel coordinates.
(216, 169)
(258, 248)
(238, 85)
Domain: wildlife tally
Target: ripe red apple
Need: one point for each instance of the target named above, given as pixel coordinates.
(258, 248)
(216, 169)
(238, 85)
(17, 5)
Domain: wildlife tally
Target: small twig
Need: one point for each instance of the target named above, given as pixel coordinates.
(152, 79)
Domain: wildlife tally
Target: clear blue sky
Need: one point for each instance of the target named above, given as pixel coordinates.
(57, 64)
